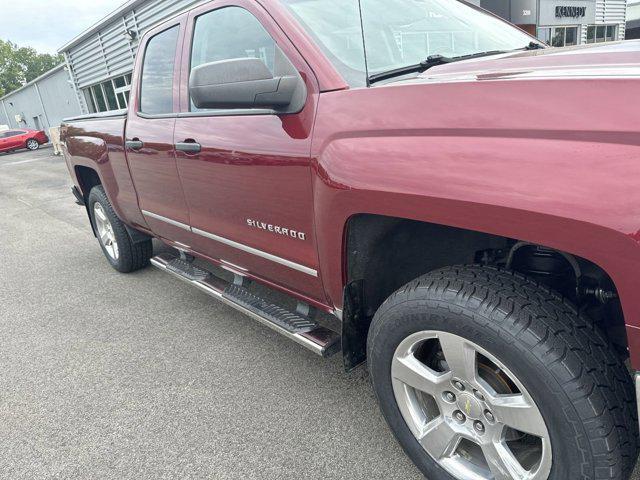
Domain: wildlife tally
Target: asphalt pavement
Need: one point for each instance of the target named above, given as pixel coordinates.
(104, 375)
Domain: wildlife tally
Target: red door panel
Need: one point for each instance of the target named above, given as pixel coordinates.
(254, 189)
(249, 189)
(155, 176)
(149, 135)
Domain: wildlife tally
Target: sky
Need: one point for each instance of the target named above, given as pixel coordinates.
(46, 25)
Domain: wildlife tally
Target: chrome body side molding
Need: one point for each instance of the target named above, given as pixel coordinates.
(256, 252)
(175, 223)
(234, 244)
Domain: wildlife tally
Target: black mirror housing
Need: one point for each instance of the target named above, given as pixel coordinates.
(244, 83)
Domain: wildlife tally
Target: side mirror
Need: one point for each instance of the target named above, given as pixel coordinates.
(244, 83)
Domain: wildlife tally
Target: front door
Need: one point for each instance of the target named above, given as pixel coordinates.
(149, 137)
(249, 187)
(14, 139)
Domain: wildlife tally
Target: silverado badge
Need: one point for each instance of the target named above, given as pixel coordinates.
(287, 232)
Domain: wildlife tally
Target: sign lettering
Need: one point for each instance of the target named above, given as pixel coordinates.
(570, 12)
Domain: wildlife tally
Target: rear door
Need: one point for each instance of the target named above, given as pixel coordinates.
(249, 187)
(149, 134)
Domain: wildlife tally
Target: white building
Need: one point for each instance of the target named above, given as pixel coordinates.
(41, 103)
(564, 22)
(100, 59)
(633, 19)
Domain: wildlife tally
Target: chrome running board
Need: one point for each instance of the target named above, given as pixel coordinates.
(293, 325)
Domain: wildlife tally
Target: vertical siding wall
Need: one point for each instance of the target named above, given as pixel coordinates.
(3, 117)
(108, 53)
(58, 97)
(609, 12)
(612, 12)
(50, 98)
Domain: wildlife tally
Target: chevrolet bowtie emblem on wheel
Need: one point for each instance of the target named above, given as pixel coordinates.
(287, 232)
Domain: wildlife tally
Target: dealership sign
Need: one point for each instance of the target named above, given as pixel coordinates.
(570, 12)
(566, 12)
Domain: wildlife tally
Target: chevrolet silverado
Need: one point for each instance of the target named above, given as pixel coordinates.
(427, 188)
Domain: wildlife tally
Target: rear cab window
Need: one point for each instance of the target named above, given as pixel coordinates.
(156, 86)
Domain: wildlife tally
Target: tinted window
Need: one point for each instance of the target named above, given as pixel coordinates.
(111, 96)
(97, 93)
(13, 133)
(571, 36)
(601, 33)
(611, 33)
(233, 32)
(156, 93)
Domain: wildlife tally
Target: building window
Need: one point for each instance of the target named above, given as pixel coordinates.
(559, 36)
(110, 95)
(98, 97)
(601, 33)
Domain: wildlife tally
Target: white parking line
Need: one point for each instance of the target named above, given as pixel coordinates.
(23, 161)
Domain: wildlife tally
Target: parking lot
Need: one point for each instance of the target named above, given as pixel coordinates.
(104, 375)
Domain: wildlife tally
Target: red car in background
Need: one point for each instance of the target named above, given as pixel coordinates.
(22, 138)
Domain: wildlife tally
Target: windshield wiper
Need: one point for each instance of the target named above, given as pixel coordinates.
(535, 46)
(431, 61)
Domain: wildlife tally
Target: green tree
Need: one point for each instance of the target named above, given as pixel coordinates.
(11, 75)
(21, 65)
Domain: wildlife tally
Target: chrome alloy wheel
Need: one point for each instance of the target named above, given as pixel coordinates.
(468, 411)
(32, 144)
(105, 231)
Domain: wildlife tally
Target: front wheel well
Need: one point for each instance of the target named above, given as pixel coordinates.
(384, 253)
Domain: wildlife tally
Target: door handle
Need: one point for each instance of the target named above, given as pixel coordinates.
(134, 144)
(188, 146)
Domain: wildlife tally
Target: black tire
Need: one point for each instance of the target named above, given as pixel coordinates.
(581, 387)
(32, 144)
(132, 256)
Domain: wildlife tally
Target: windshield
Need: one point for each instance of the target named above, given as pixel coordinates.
(398, 33)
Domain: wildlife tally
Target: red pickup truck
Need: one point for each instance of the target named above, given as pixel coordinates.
(432, 190)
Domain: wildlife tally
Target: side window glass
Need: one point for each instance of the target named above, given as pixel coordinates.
(156, 92)
(233, 32)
